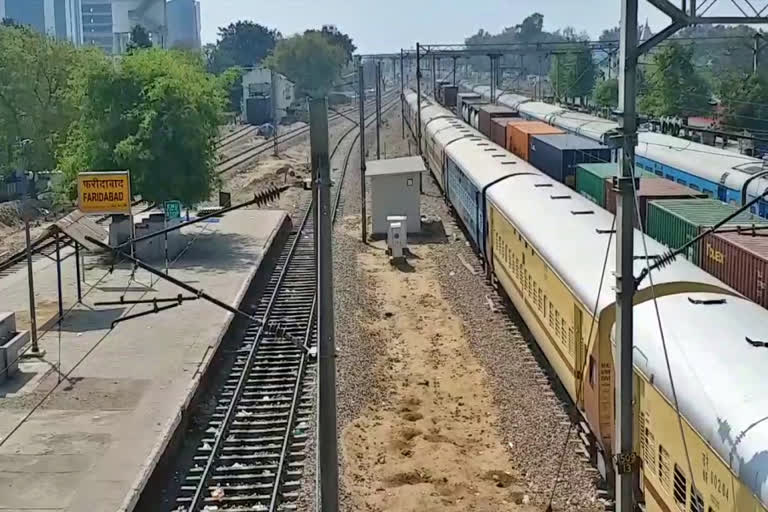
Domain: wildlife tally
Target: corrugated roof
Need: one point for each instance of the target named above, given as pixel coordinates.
(756, 243)
(706, 212)
(78, 226)
(656, 186)
(602, 170)
(495, 109)
(568, 141)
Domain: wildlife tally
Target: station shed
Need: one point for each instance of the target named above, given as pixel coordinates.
(395, 190)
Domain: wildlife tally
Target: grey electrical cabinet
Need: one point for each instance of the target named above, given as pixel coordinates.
(395, 189)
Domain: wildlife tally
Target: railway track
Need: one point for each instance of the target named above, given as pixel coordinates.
(250, 153)
(251, 458)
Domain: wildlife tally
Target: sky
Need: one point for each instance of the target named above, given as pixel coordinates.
(385, 26)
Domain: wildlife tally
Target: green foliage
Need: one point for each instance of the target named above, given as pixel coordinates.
(745, 103)
(309, 61)
(607, 93)
(674, 86)
(34, 113)
(334, 36)
(231, 81)
(573, 74)
(530, 30)
(154, 112)
(139, 39)
(243, 44)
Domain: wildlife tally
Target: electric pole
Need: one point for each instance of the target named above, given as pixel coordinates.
(327, 440)
(402, 94)
(378, 110)
(418, 96)
(629, 52)
(364, 220)
(625, 238)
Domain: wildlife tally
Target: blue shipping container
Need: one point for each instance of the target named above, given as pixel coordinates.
(559, 155)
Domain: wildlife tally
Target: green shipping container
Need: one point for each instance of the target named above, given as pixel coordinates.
(674, 222)
(590, 180)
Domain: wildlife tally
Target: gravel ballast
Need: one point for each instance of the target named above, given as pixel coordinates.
(532, 408)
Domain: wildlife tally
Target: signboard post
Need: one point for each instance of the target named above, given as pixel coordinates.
(172, 211)
(103, 192)
(106, 192)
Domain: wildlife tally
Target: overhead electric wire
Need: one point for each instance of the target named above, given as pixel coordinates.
(662, 335)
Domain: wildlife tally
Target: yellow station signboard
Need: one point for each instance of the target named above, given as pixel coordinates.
(104, 192)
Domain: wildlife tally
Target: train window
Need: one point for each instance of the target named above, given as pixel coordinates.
(697, 502)
(680, 490)
(664, 467)
(658, 173)
(682, 182)
(669, 177)
(592, 371)
(695, 187)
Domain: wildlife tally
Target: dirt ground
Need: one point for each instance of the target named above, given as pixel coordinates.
(433, 443)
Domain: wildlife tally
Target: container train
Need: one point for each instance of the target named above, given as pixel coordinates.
(548, 247)
(720, 173)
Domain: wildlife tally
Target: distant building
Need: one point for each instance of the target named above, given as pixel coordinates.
(184, 24)
(107, 24)
(256, 105)
(56, 18)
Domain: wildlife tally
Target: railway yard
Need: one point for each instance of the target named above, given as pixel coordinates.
(420, 283)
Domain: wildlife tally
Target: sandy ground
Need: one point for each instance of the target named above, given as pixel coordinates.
(433, 444)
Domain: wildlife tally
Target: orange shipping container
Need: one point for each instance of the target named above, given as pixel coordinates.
(519, 136)
(508, 132)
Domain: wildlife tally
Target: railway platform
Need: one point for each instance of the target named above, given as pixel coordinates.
(83, 427)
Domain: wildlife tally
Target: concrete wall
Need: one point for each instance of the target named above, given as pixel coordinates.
(393, 195)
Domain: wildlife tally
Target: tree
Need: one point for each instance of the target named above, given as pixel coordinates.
(611, 34)
(243, 44)
(34, 112)
(154, 112)
(607, 93)
(674, 86)
(139, 39)
(309, 61)
(745, 102)
(573, 73)
(334, 36)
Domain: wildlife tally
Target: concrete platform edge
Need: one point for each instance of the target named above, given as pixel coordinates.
(170, 430)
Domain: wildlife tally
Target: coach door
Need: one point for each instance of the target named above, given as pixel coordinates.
(580, 347)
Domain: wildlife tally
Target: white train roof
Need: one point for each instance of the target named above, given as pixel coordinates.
(719, 377)
(592, 127)
(480, 159)
(707, 162)
(570, 242)
(484, 162)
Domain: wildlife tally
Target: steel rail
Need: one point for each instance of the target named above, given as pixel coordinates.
(224, 426)
(213, 468)
(265, 146)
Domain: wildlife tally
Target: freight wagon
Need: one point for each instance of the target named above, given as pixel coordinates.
(739, 259)
(547, 246)
(651, 188)
(675, 222)
(519, 136)
(558, 155)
